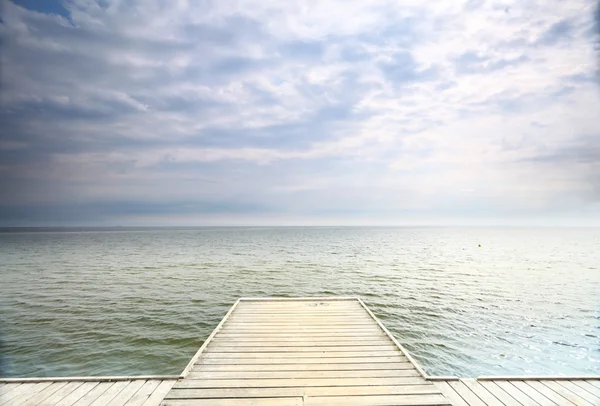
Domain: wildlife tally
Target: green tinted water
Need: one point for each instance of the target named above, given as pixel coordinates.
(141, 302)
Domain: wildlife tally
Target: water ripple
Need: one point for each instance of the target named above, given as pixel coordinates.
(141, 302)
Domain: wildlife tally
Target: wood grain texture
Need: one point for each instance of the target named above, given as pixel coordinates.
(316, 352)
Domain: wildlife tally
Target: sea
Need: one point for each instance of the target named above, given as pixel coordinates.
(464, 301)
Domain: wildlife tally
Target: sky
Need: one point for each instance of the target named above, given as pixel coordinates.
(325, 112)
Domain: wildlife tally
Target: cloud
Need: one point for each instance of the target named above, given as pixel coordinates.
(265, 110)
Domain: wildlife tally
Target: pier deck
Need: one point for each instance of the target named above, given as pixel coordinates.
(313, 351)
(302, 352)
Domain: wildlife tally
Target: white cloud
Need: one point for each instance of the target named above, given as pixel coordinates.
(457, 104)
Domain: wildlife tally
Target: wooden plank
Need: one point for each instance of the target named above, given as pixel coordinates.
(287, 320)
(299, 341)
(76, 394)
(308, 302)
(7, 387)
(305, 367)
(62, 393)
(306, 382)
(22, 393)
(450, 393)
(466, 393)
(499, 393)
(210, 356)
(376, 373)
(127, 393)
(351, 335)
(301, 391)
(236, 402)
(42, 395)
(143, 393)
(217, 349)
(588, 387)
(398, 400)
(513, 391)
(299, 299)
(294, 329)
(300, 320)
(110, 393)
(532, 393)
(292, 314)
(579, 391)
(94, 394)
(549, 393)
(595, 382)
(343, 307)
(159, 393)
(482, 393)
(301, 317)
(565, 393)
(298, 361)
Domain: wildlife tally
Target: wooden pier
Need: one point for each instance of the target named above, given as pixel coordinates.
(305, 351)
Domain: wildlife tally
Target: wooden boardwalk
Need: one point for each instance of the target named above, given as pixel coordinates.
(523, 391)
(302, 352)
(110, 391)
(319, 351)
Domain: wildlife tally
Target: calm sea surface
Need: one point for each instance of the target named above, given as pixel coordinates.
(140, 302)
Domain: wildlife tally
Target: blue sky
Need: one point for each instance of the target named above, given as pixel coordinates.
(324, 112)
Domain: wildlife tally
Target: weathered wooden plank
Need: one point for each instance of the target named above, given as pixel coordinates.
(513, 391)
(297, 361)
(565, 393)
(143, 393)
(276, 335)
(549, 393)
(94, 394)
(466, 393)
(532, 393)
(300, 317)
(294, 321)
(301, 391)
(22, 393)
(578, 391)
(398, 400)
(274, 340)
(304, 367)
(127, 393)
(294, 329)
(450, 393)
(297, 401)
(305, 382)
(7, 387)
(482, 393)
(588, 387)
(375, 373)
(217, 349)
(110, 393)
(76, 394)
(308, 302)
(42, 395)
(159, 393)
(499, 393)
(62, 393)
(301, 354)
(342, 307)
(595, 382)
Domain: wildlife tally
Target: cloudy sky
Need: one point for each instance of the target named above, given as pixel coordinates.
(202, 112)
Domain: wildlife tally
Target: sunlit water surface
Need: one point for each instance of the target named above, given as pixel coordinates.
(141, 302)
